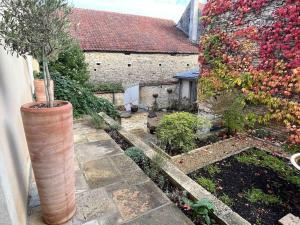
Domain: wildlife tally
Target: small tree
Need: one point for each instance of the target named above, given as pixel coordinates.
(37, 28)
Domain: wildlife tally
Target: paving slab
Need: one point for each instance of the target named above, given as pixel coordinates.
(134, 200)
(166, 215)
(95, 150)
(100, 173)
(80, 182)
(94, 204)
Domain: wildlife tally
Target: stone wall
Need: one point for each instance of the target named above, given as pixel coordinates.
(137, 68)
(164, 100)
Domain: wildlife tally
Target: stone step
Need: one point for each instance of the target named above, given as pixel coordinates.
(290, 219)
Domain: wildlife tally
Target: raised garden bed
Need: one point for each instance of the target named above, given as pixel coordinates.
(261, 187)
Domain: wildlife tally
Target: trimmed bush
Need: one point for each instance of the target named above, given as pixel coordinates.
(177, 131)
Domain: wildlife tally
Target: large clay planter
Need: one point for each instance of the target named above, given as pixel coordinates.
(39, 90)
(49, 135)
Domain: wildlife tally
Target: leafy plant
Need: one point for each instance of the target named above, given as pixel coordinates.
(82, 99)
(262, 133)
(292, 149)
(257, 195)
(71, 63)
(208, 184)
(37, 28)
(226, 200)
(178, 131)
(136, 155)
(212, 169)
(201, 209)
(234, 118)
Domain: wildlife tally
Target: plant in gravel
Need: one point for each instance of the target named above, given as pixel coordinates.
(200, 209)
(262, 133)
(212, 169)
(257, 195)
(234, 118)
(178, 131)
(207, 183)
(226, 200)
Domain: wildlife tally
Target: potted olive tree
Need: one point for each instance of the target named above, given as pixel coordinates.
(39, 28)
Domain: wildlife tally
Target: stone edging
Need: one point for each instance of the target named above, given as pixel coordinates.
(223, 213)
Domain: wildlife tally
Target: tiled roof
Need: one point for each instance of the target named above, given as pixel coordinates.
(108, 31)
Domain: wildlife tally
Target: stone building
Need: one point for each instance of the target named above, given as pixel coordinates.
(138, 50)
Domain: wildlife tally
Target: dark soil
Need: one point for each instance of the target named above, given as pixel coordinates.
(235, 178)
(120, 140)
(44, 105)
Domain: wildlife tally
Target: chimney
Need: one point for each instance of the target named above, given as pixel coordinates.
(194, 21)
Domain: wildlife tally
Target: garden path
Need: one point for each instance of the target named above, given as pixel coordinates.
(110, 188)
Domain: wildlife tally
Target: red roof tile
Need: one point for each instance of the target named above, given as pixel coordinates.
(108, 31)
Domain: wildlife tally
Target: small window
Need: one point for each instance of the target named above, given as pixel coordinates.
(98, 63)
(95, 69)
(129, 64)
(187, 64)
(159, 64)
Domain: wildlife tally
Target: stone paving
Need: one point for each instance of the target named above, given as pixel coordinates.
(111, 189)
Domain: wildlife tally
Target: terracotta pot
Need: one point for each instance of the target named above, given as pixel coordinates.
(39, 90)
(49, 135)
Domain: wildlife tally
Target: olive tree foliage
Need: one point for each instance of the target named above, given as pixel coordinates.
(37, 28)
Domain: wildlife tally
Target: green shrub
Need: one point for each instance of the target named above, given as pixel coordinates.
(71, 63)
(82, 99)
(178, 130)
(208, 184)
(107, 87)
(257, 195)
(212, 169)
(234, 118)
(226, 200)
(136, 155)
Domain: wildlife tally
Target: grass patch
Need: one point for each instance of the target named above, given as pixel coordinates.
(263, 159)
(208, 184)
(226, 200)
(212, 169)
(257, 195)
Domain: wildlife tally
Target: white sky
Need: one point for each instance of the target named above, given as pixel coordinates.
(168, 9)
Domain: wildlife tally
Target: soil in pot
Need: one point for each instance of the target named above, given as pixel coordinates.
(260, 187)
(134, 108)
(49, 135)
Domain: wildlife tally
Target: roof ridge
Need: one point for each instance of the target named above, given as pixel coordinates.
(124, 14)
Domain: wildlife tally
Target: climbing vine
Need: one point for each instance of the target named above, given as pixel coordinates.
(262, 61)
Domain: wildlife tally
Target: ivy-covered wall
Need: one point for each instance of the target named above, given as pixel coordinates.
(254, 46)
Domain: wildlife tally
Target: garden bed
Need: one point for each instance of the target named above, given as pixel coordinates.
(261, 187)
